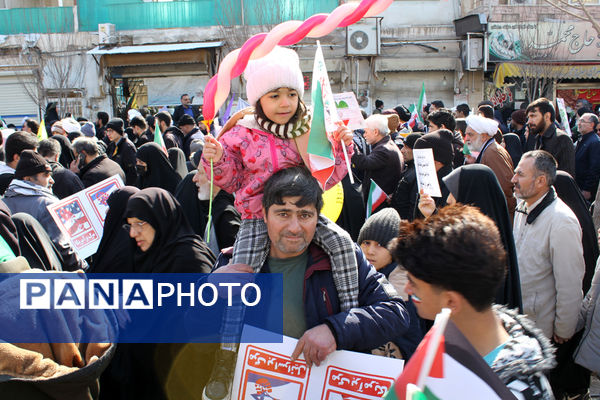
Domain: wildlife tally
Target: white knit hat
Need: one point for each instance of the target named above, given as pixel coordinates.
(279, 68)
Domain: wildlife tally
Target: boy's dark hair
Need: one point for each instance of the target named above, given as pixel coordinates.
(543, 105)
(444, 117)
(49, 148)
(103, 116)
(32, 124)
(463, 108)
(461, 125)
(457, 249)
(378, 103)
(437, 104)
(402, 112)
(17, 142)
(139, 122)
(292, 182)
(487, 111)
(165, 117)
(150, 120)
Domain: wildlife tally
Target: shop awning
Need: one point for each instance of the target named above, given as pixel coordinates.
(553, 71)
(156, 54)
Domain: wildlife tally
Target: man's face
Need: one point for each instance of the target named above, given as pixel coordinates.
(433, 127)
(372, 135)
(185, 100)
(186, 128)
(585, 125)
(202, 184)
(113, 136)
(538, 122)
(526, 180)
(474, 140)
(407, 153)
(427, 298)
(43, 179)
(137, 131)
(290, 228)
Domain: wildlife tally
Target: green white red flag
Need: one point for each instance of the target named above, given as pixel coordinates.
(324, 122)
(422, 102)
(375, 199)
(158, 139)
(447, 367)
(414, 115)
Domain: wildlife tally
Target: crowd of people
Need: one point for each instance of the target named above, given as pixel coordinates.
(510, 246)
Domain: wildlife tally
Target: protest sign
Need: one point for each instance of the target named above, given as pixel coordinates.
(81, 216)
(266, 370)
(426, 173)
(349, 111)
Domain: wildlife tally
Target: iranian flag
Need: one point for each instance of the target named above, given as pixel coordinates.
(375, 199)
(422, 102)
(320, 151)
(158, 139)
(414, 115)
(447, 367)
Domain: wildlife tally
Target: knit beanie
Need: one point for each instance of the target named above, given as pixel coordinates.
(88, 129)
(411, 139)
(441, 144)
(116, 124)
(381, 227)
(279, 68)
(31, 163)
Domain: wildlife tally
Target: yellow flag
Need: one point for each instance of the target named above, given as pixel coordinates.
(41, 133)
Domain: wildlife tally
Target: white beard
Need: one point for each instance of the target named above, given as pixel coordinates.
(476, 146)
(204, 192)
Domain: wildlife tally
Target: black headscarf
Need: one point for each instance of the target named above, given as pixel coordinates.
(160, 173)
(513, 147)
(51, 116)
(35, 244)
(567, 191)
(176, 248)
(66, 152)
(177, 160)
(8, 230)
(478, 186)
(115, 252)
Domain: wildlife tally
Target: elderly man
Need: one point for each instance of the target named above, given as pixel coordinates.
(587, 156)
(30, 192)
(550, 255)
(91, 166)
(291, 205)
(384, 164)
(479, 137)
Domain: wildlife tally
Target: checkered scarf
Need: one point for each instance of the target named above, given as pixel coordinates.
(299, 127)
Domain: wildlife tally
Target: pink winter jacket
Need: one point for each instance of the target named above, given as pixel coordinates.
(251, 156)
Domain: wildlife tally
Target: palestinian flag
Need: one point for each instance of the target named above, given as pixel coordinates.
(41, 133)
(158, 139)
(319, 150)
(376, 197)
(421, 103)
(447, 367)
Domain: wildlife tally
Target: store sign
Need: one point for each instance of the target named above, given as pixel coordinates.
(501, 96)
(550, 41)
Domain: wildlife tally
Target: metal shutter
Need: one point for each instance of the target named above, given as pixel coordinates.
(15, 103)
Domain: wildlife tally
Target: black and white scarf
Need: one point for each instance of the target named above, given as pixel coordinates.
(291, 130)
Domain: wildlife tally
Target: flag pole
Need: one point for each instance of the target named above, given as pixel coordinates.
(347, 162)
(441, 320)
(212, 179)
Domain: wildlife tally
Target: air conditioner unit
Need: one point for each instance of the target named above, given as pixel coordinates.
(472, 54)
(363, 38)
(107, 34)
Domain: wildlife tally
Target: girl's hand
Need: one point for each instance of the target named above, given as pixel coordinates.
(426, 204)
(213, 150)
(343, 134)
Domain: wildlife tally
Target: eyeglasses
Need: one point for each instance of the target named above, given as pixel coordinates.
(136, 226)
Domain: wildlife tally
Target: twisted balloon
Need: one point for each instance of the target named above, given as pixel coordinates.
(284, 34)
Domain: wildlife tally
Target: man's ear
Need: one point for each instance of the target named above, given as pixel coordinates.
(264, 215)
(453, 300)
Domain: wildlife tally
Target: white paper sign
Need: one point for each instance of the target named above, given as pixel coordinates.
(426, 173)
(348, 110)
(265, 371)
(81, 216)
(564, 117)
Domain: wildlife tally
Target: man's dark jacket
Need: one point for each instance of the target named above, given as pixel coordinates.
(66, 182)
(381, 316)
(560, 145)
(98, 170)
(179, 111)
(125, 156)
(405, 195)
(587, 162)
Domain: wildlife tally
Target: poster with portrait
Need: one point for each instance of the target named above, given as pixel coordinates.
(265, 371)
(81, 216)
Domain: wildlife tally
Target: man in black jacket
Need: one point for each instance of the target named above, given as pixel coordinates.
(121, 150)
(541, 117)
(66, 182)
(405, 197)
(384, 164)
(188, 126)
(186, 107)
(90, 166)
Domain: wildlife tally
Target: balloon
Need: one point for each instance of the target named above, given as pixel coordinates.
(284, 34)
(333, 201)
